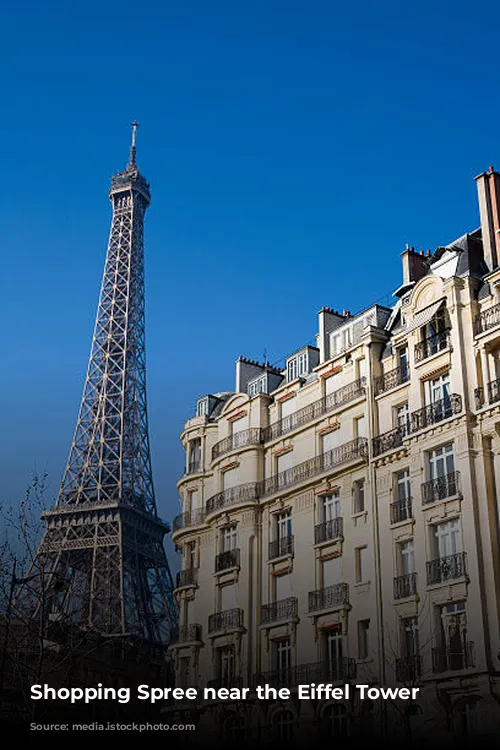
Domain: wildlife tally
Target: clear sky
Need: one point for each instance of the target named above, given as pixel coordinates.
(293, 148)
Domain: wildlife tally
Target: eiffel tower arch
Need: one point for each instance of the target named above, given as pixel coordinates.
(102, 557)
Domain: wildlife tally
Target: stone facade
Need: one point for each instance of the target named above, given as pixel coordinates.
(340, 517)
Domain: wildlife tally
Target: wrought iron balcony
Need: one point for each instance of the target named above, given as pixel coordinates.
(446, 568)
(494, 391)
(487, 319)
(401, 510)
(252, 436)
(242, 493)
(391, 379)
(312, 411)
(281, 547)
(432, 345)
(228, 619)
(408, 669)
(436, 412)
(193, 467)
(189, 633)
(405, 586)
(328, 531)
(329, 597)
(355, 449)
(441, 488)
(227, 681)
(389, 440)
(186, 577)
(453, 657)
(228, 559)
(342, 669)
(190, 518)
(284, 609)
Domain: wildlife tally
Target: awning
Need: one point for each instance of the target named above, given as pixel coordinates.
(424, 316)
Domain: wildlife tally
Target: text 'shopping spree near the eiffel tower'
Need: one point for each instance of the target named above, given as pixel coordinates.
(102, 555)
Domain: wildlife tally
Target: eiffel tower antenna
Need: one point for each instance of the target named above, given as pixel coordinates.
(103, 541)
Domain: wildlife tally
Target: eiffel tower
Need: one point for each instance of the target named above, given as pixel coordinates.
(102, 556)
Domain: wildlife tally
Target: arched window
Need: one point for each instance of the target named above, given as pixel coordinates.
(283, 725)
(473, 717)
(233, 729)
(334, 720)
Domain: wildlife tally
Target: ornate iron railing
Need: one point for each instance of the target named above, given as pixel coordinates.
(312, 411)
(436, 412)
(391, 379)
(281, 547)
(446, 568)
(189, 633)
(242, 493)
(479, 397)
(331, 596)
(453, 658)
(190, 518)
(186, 577)
(227, 681)
(251, 436)
(328, 530)
(389, 440)
(401, 510)
(228, 559)
(494, 391)
(284, 609)
(405, 586)
(487, 319)
(441, 488)
(228, 619)
(432, 345)
(408, 669)
(341, 669)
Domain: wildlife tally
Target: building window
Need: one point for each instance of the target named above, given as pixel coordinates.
(329, 507)
(329, 441)
(403, 418)
(228, 538)
(283, 651)
(438, 389)
(410, 643)
(361, 564)
(283, 724)
(448, 538)
(402, 358)
(407, 557)
(225, 665)
(363, 639)
(190, 560)
(454, 650)
(360, 427)
(441, 461)
(283, 525)
(358, 491)
(194, 455)
(333, 651)
(403, 486)
(202, 407)
(334, 720)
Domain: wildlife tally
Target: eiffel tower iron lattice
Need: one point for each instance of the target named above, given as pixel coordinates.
(102, 555)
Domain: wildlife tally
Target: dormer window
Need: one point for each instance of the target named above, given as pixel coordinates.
(301, 363)
(257, 386)
(202, 407)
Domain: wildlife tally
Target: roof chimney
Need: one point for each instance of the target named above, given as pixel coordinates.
(488, 191)
(414, 265)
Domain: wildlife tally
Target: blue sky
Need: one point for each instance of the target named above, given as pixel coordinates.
(292, 149)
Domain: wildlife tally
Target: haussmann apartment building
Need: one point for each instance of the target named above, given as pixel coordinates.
(340, 516)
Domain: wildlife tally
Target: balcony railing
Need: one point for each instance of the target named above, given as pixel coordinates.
(281, 547)
(242, 493)
(441, 488)
(228, 619)
(432, 345)
(453, 658)
(284, 609)
(252, 436)
(446, 568)
(312, 411)
(494, 391)
(487, 319)
(186, 577)
(328, 531)
(228, 559)
(190, 518)
(408, 669)
(227, 681)
(401, 510)
(391, 379)
(389, 440)
(436, 412)
(405, 586)
(329, 597)
(341, 669)
(193, 467)
(189, 633)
